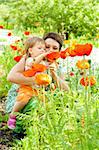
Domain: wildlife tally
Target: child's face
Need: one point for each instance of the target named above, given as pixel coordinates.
(37, 49)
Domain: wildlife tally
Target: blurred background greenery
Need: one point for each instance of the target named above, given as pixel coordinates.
(79, 17)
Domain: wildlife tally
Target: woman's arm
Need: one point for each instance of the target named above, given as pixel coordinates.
(61, 83)
(16, 76)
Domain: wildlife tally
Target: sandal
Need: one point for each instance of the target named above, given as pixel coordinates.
(12, 122)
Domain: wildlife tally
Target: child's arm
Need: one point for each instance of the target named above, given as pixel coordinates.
(16, 76)
(39, 58)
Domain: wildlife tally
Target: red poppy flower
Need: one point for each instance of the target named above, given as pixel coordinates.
(83, 64)
(88, 49)
(84, 81)
(79, 50)
(1, 27)
(35, 69)
(17, 58)
(68, 52)
(43, 79)
(71, 52)
(39, 67)
(9, 34)
(53, 56)
(92, 80)
(83, 49)
(13, 47)
(64, 54)
(29, 73)
(26, 33)
(88, 81)
(71, 74)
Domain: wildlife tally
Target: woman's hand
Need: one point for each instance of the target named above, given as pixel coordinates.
(53, 67)
(62, 84)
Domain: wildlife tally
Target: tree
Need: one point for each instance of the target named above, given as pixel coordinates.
(79, 16)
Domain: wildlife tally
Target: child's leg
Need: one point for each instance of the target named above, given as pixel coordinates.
(24, 95)
(20, 105)
(17, 107)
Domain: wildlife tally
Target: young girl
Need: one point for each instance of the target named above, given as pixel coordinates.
(35, 52)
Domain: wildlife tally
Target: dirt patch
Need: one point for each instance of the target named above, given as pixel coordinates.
(8, 137)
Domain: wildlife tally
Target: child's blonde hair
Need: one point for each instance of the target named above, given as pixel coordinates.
(30, 42)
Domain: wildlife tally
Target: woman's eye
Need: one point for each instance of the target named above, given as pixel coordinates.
(55, 48)
(47, 47)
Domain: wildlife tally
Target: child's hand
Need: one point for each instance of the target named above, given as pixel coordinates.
(41, 56)
(46, 53)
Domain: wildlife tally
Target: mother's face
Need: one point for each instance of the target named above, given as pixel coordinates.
(51, 45)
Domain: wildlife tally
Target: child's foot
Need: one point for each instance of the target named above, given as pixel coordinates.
(12, 122)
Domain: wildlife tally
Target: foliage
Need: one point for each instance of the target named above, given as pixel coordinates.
(64, 122)
(6, 63)
(78, 17)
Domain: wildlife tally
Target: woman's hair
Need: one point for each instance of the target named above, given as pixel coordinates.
(54, 36)
(30, 42)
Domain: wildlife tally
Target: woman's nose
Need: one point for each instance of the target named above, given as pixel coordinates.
(51, 49)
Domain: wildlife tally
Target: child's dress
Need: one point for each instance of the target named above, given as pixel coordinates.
(25, 92)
